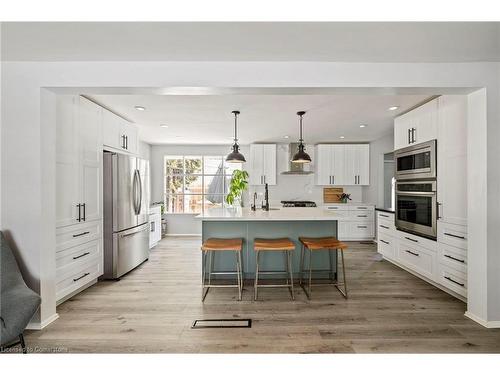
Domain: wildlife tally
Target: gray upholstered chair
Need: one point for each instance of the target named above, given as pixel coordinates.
(18, 303)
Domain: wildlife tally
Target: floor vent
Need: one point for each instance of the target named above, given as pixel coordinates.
(222, 323)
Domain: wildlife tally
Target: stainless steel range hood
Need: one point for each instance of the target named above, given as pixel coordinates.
(295, 168)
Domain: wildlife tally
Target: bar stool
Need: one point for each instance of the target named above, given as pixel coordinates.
(318, 244)
(275, 244)
(209, 248)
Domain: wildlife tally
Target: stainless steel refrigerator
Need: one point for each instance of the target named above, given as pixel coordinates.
(126, 213)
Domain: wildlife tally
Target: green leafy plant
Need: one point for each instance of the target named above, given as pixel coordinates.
(344, 197)
(237, 185)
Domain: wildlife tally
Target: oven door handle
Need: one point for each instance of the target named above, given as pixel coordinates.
(419, 193)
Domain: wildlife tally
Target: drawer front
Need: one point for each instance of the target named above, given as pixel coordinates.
(417, 240)
(418, 259)
(360, 230)
(340, 213)
(452, 234)
(362, 208)
(453, 257)
(387, 224)
(78, 234)
(452, 279)
(386, 245)
(337, 208)
(360, 215)
(155, 210)
(385, 216)
(73, 256)
(385, 228)
(74, 278)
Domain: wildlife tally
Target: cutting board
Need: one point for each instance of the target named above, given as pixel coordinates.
(332, 195)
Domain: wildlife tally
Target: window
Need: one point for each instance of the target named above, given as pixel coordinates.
(194, 184)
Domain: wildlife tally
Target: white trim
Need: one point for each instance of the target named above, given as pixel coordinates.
(42, 325)
(484, 323)
(183, 235)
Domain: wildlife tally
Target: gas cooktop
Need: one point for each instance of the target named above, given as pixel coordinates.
(298, 204)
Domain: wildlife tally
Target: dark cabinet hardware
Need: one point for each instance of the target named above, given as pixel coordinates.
(438, 210)
(362, 215)
(82, 255)
(79, 212)
(387, 243)
(81, 277)
(84, 213)
(458, 260)
(409, 139)
(333, 180)
(361, 226)
(152, 226)
(384, 226)
(361, 208)
(333, 208)
(454, 235)
(123, 141)
(412, 253)
(453, 281)
(411, 239)
(126, 142)
(80, 234)
(413, 132)
(384, 215)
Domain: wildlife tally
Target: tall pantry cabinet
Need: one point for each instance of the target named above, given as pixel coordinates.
(78, 194)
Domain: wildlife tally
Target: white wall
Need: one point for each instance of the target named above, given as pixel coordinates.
(374, 193)
(27, 180)
(144, 150)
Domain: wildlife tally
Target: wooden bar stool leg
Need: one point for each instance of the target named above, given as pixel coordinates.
(310, 273)
(241, 272)
(331, 265)
(285, 258)
(301, 270)
(204, 290)
(238, 275)
(256, 275)
(343, 292)
(290, 270)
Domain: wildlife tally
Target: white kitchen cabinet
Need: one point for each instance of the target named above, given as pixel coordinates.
(78, 161)
(452, 160)
(416, 126)
(118, 133)
(262, 164)
(330, 164)
(357, 221)
(154, 226)
(343, 164)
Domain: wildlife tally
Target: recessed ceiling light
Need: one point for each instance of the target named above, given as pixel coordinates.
(163, 126)
(363, 126)
(393, 108)
(140, 108)
(341, 137)
(286, 136)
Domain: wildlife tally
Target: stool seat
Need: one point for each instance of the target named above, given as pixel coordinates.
(222, 244)
(322, 243)
(273, 244)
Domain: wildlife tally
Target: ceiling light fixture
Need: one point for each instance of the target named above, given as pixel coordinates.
(235, 156)
(286, 136)
(301, 156)
(393, 108)
(140, 108)
(163, 126)
(341, 137)
(363, 126)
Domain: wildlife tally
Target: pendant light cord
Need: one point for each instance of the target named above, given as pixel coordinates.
(301, 139)
(235, 128)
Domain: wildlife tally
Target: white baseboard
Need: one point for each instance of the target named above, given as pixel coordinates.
(41, 325)
(484, 323)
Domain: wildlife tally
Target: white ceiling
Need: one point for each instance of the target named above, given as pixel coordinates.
(250, 41)
(207, 119)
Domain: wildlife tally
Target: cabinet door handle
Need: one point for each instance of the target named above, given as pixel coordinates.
(123, 141)
(453, 281)
(80, 234)
(126, 142)
(152, 226)
(411, 239)
(458, 260)
(383, 215)
(81, 277)
(412, 253)
(387, 243)
(362, 208)
(82, 255)
(454, 235)
(413, 135)
(264, 179)
(383, 226)
(333, 180)
(79, 212)
(84, 213)
(409, 139)
(361, 226)
(438, 210)
(362, 215)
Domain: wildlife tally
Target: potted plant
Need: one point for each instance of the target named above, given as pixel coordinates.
(344, 197)
(237, 185)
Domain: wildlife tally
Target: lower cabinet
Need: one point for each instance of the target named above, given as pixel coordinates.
(443, 264)
(154, 226)
(358, 221)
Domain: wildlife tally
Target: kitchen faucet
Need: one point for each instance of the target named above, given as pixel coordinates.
(254, 206)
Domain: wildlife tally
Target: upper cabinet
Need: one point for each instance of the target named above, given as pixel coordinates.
(262, 164)
(343, 164)
(452, 159)
(417, 126)
(119, 133)
(78, 161)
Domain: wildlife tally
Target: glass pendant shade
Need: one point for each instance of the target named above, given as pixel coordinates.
(235, 156)
(301, 156)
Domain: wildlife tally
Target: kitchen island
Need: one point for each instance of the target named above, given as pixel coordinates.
(283, 222)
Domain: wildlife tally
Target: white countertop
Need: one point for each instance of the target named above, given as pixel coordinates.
(281, 214)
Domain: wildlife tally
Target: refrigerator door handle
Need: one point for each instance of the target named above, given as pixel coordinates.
(134, 191)
(140, 192)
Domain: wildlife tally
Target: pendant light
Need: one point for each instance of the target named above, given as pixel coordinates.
(235, 156)
(301, 156)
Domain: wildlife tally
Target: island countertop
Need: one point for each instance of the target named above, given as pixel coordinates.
(281, 214)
